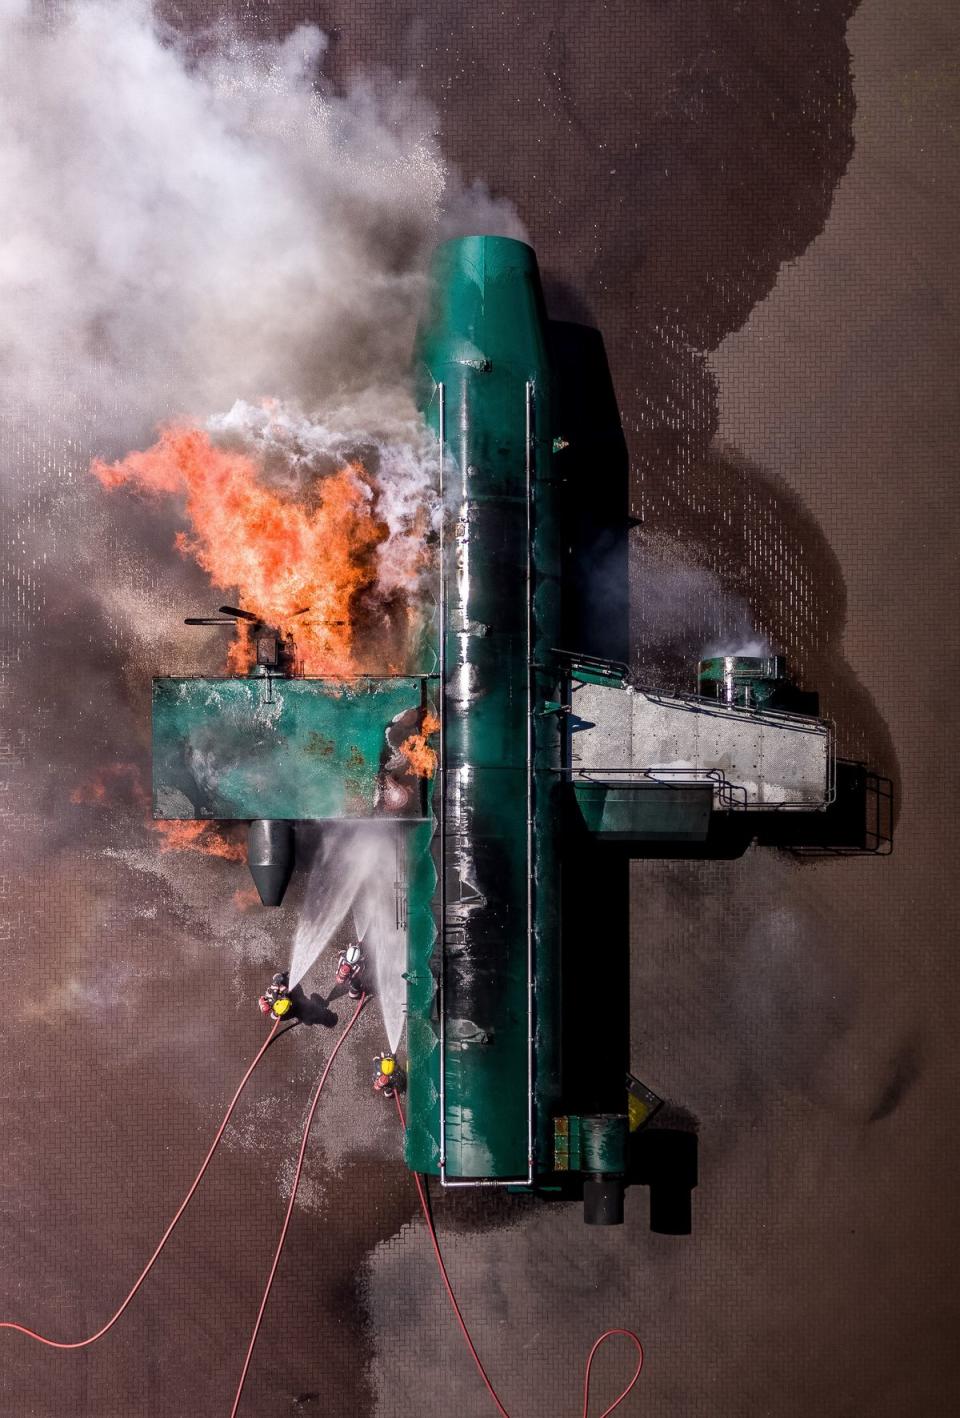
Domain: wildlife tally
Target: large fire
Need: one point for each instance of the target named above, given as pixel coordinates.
(337, 559)
(281, 554)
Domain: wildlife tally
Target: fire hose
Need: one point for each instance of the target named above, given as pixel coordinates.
(607, 1334)
(293, 1196)
(104, 1329)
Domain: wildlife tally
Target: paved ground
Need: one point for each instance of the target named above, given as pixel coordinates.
(754, 202)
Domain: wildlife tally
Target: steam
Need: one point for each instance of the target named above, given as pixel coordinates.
(186, 228)
(759, 646)
(679, 604)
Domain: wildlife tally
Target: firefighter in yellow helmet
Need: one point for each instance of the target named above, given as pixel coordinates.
(388, 1078)
(275, 1002)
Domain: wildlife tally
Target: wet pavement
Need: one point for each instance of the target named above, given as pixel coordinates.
(754, 203)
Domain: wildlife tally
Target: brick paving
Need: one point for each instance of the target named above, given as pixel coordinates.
(755, 204)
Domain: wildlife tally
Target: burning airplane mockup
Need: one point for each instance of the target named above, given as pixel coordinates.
(506, 768)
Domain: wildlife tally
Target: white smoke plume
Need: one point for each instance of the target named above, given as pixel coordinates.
(679, 604)
(185, 226)
(757, 647)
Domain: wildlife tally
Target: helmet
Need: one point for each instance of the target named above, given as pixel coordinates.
(279, 980)
(387, 1065)
(352, 955)
(281, 1007)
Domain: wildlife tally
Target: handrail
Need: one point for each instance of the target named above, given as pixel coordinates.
(531, 745)
(442, 787)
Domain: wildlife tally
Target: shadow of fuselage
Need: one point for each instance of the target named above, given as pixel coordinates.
(595, 876)
(596, 526)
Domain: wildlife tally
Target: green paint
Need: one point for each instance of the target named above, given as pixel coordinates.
(592, 1142)
(603, 1143)
(255, 747)
(645, 811)
(483, 339)
(600, 674)
(747, 681)
(423, 1044)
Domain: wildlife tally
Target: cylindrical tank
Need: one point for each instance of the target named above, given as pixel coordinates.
(482, 1027)
(270, 856)
(743, 681)
(603, 1143)
(603, 1160)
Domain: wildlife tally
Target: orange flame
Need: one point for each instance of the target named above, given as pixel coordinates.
(198, 837)
(418, 753)
(281, 555)
(114, 781)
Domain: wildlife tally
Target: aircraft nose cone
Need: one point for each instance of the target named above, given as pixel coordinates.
(270, 855)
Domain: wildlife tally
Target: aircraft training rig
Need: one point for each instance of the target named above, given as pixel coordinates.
(553, 770)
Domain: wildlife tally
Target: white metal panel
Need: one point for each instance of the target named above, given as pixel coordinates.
(760, 759)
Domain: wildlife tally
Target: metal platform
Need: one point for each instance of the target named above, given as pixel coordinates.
(750, 759)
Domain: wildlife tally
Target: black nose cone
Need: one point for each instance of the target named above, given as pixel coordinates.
(270, 857)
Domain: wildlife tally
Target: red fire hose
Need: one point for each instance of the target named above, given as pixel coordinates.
(293, 1196)
(607, 1334)
(82, 1343)
(92, 1339)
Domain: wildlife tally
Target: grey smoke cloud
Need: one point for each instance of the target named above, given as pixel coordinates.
(183, 228)
(188, 229)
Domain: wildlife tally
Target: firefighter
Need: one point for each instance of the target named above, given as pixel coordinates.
(387, 1080)
(275, 1001)
(350, 968)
